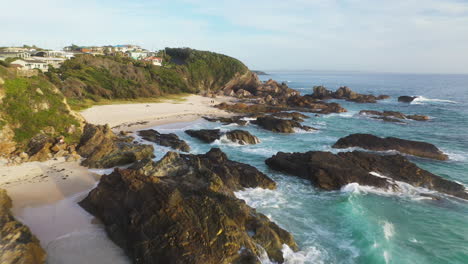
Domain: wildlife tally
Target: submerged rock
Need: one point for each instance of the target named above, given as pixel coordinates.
(296, 116)
(103, 149)
(228, 120)
(346, 93)
(167, 140)
(237, 136)
(182, 209)
(371, 142)
(280, 125)
(332, 171)
(406, 99)
(17, 244)
(392, 115)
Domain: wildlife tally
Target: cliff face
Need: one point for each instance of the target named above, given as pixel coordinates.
(32, 106)
(17, 244)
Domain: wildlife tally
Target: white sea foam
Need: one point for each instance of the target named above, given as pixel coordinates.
(402, 189)
(309, 255)
(423, 100)
(386, 256)
(388, 229)
(456, 156)
(223, 140)
(258, 197)
(302, 131)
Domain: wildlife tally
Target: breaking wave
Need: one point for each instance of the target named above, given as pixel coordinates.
(422, 100)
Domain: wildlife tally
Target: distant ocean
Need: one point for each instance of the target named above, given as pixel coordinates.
(360, 224)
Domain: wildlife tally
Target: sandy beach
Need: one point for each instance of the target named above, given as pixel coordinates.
(132, 117)
(45, 194)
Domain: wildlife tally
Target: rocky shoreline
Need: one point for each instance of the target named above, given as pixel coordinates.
(182, 208)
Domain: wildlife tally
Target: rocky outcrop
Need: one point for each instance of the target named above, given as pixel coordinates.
(103, 149)
(371, 142)
(237, 136)
(280, 125)
(332, 171)
(296, 116)
(308, 103)
(182, 209)
(406, 99)
(346, 93)
(205, 135)
(242, 137)
(17, 244)
(227, 120)
(392, 116)
(167, 140)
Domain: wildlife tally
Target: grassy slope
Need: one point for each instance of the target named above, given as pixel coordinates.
(33, 104)
(90, 79)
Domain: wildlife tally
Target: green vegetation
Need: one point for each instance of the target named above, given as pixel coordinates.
(32, 105)
(88, 79)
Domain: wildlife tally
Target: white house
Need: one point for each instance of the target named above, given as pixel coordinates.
(55, 62)
(11, 54)
(31, 64)
(154, 60)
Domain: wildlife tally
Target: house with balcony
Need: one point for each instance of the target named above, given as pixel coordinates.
(30, 64)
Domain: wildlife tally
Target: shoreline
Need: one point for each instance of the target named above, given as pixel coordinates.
(133, 117)
(45, 194)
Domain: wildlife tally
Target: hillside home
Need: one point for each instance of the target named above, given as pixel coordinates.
(53, 61)
(137, 55)
(29, 64)
(11, 54)
(154, 60)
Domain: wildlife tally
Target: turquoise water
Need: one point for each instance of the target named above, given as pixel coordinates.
(360, 224)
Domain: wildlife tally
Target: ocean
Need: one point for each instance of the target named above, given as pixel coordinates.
(361, 224)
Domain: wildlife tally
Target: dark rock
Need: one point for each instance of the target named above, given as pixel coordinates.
(228, 120)
(332, 171)
(279, 125)
(296, 116)
(391, 115)
(39, 147)
(346, 93)
(167, 140)
(406, 99)
(371, 142)
(103, 149)
(210, 135)
(17, 244)
(182, 209)
(242, 137)
(205, 135)
(389, 119)
(418, 117)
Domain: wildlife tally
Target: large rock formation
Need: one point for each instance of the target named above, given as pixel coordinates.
(182, 209)
(406, 99)
(346, 93)
(237, 136)
(17, 244)
(103, 149)
(371, 142)
(280, 125)
(167, 140)
(391, 115)
(332, 171)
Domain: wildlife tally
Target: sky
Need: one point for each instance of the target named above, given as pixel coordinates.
(407, 36)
